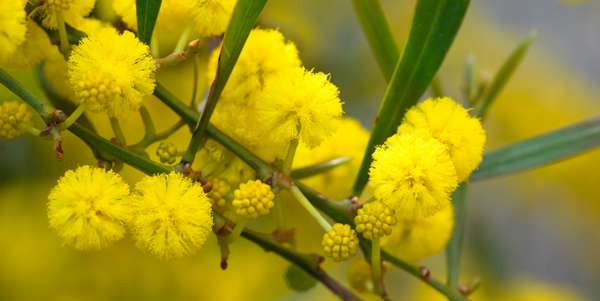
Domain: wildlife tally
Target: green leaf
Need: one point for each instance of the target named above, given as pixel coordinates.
(504, 74)
(243, 19)
(542, 150)
(435, 24)
(147, 13)
(459, 199)
(376, 28)
(318, 168)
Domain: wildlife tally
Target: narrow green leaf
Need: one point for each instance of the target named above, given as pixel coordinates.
(504, 74)
(318, 168)
(542, 150)
(243, 19)
(379, 35)
(435, 24)
(459, 199)
(147, 13)
(14, 86)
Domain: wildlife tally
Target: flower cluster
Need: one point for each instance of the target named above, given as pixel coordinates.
(416, 170)
(340, 243)
(252, 199)
(12, 116)
(111, 72)
(437, 146)
(168, 215)
(270, 99)
(375, 220)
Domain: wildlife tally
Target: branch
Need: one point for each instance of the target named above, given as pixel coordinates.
(150, 167)
(338, 211)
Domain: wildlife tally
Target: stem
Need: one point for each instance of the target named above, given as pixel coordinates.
(338, 211)
(65, 46)
(289, 157)
(310, 208)
(376, 265)
(73, 117)
(454, 245)
(29, 128)
(14, 86)
(237, 230)
(116, 127)
(321, 167)
(195, 83)
(305, 262)
(149, 129)
(183, 38)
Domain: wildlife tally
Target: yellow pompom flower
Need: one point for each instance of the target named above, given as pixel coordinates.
(413, 240)
(72, 11)
(304, 105)
(375, 220)
(12, 115)
(413, 174)
(451, 124)
(349, 140)
(88, 208)
(265, 57)
(12, 27)
(340, 243)
(111, 72)
(252, 199)
(35, 49)
(212, 16)
(171, 216)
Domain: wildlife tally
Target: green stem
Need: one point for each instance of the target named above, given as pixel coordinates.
(376, 265)
(289, 157)
(338, 211)
(29, 129)
(14, 86)
(117, 130)
(149, 129)
(183, 39)
(310, 208)
(65, 46)
(237, 230)
(453, 249)
(73, 117)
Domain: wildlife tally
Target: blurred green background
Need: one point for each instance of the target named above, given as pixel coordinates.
(538, 227)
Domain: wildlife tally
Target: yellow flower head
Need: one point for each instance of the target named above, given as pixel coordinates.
(111, 72)
(72, 11)
(413, 240)
(265, 57)
(302, 105)
(218, 192)
(375, 220)
(167, 152)
(88, 208)
(12, 114)
(212, 16)
(32, 51)
(171, 217)
(349, 140)
(451, 124)
(12, 27)
(413, 174)
(252, 199)
(340, 243)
